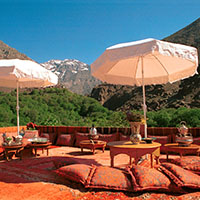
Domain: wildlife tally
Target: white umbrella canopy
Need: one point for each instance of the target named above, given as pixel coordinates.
(15, 73)
(145, 62)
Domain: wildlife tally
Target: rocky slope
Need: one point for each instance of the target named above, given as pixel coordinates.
(182, 93)
(73, 74)
(7, 52)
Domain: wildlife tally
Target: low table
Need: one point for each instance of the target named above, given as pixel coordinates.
(93, 145)
(182, 150)
(134, 150)
(16, 149)
(37, 146)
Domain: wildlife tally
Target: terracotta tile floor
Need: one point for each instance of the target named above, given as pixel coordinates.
(99, 158)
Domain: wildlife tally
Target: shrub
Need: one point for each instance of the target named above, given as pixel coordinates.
(58, 106)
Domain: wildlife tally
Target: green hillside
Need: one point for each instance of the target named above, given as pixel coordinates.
(58, 106)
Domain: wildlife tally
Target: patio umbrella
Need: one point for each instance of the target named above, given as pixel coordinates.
(15, 73)
(145, 62)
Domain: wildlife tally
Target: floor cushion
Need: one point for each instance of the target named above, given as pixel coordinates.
(196, 140)
(109, 178)
(75, 172)
(109, 137)
(79, 137)
(144, 178)
(180, 176)
(31, 134)
(50, 136)
(65, 140)
(162, 140)
(64, 161)
(189, 162)
(123, 137)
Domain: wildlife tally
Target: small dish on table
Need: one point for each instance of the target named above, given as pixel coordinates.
(149, 140)
(38, 140)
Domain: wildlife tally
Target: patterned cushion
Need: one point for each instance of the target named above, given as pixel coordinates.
(109, 137)
(64, 161)
(144, 178)
(65, 140)
(79, 137)
(49, 136)
(31, 133)
(196, 140)
(75, 172)
(195, 167)
(123, 137)
(109, 178)
(186, 160)
(180, 176)
(191, 163)
(162, 140)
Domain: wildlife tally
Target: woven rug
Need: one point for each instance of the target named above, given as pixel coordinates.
(28, 170)
(33, 178)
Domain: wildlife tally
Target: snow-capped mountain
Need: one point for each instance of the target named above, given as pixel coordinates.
(73, 74)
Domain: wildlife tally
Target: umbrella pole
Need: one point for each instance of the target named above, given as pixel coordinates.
(144, 101)
(17, 108)
(144, 110)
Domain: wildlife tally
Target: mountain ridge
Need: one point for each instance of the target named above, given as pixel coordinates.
(73, 75)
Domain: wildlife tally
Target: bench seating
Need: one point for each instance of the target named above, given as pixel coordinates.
(72, 135)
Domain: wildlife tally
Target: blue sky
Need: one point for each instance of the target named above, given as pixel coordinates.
(83, 29)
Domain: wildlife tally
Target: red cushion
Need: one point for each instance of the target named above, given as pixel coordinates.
(186, 160)
(162, 140)
(75, 172)
(49, 136)
(195, 167)
(180, 176)
(65, 140)
(109, 178)
(123, 137)
(189, 162)
(109, 137)
(144, 178)
(64, 161)
(79, 137)
(196, 140)
(31, 133)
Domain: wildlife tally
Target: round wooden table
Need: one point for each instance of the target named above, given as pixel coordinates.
(36, 146)
(135, 151)
(15, 149)
(182, 150)
(92, 145)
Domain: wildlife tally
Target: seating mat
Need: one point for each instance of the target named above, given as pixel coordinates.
(36, 179)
